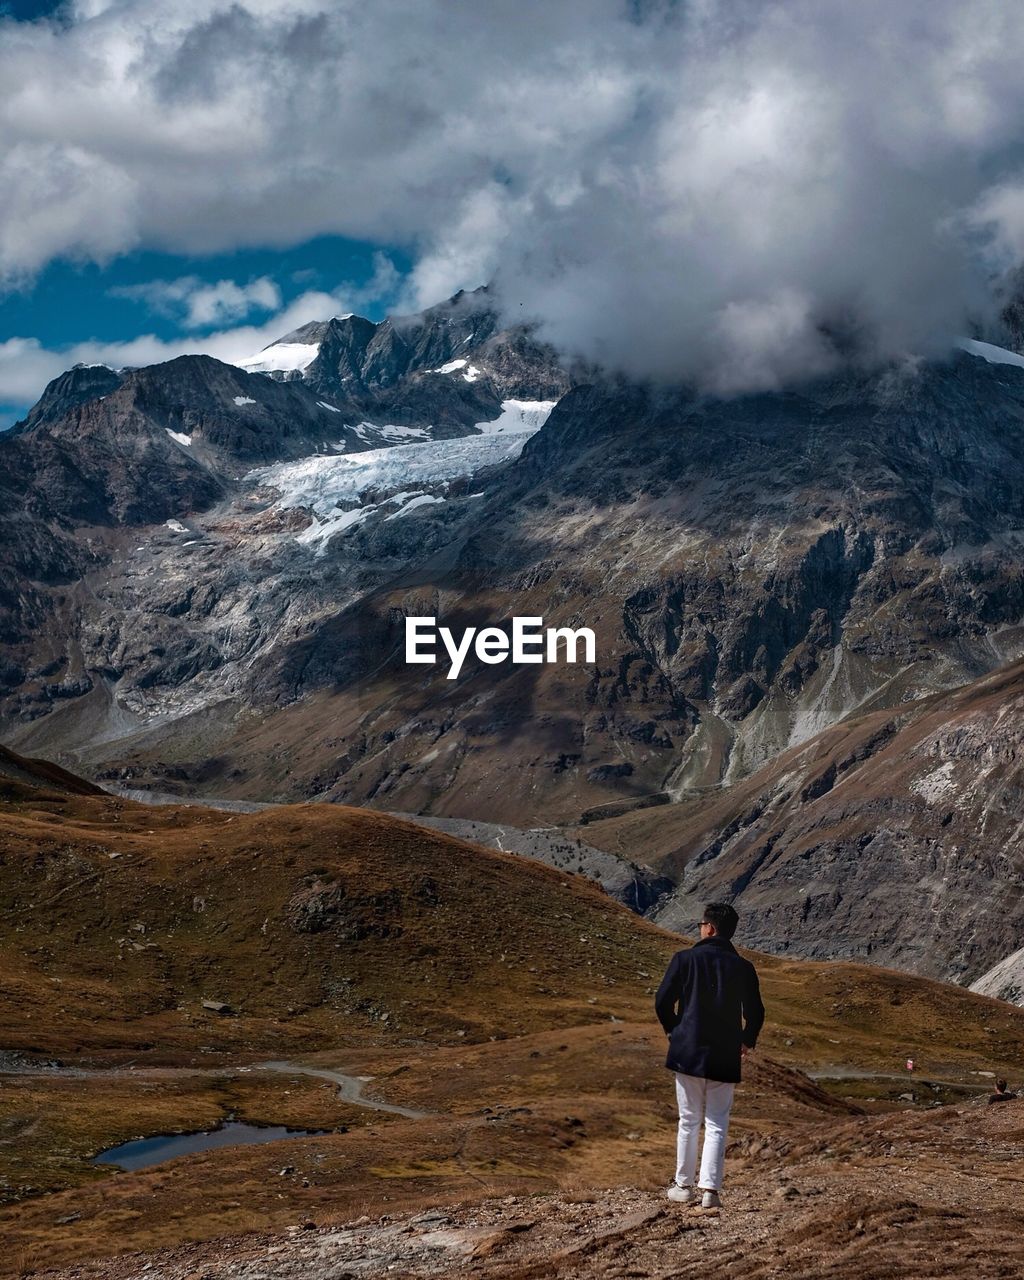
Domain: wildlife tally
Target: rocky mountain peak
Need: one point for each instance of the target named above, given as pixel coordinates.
(75, 386)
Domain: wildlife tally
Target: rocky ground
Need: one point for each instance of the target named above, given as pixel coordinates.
(914, 809)
(909, 1195)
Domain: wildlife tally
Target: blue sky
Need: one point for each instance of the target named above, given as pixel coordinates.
(86, 309)
(680, 191)
(72, 302)
(26, 10)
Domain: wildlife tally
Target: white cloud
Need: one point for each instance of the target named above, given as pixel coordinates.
(200, 304)
(382, 286)
(662, 193)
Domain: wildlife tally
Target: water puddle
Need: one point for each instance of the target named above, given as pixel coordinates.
(148, 1151)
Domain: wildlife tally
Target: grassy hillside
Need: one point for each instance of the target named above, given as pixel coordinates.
(316, 922)
(509, 1001)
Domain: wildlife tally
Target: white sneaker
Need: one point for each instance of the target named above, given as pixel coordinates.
(711, 1200)
(681, 1195)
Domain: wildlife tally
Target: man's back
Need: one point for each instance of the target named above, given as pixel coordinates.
(710, 1005)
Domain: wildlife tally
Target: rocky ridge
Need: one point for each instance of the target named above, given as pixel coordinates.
(892, 838)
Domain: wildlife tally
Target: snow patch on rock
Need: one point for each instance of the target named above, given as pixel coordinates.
(519, 416)
(372, 433)
(993, 354)
(282, 357)
(318, 533)
(937, 786)
(402, 433)
(417, 500)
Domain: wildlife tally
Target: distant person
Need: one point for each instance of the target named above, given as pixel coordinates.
(1001, 1094)
(910, 1064)
(709, 1003)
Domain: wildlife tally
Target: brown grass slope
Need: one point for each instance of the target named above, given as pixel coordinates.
(313, 922)
(120, 920)
(19, 776)
(895, 837)
(510, 1001)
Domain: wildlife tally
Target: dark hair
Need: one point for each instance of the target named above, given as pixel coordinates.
(1000, 1086)
(723, 917)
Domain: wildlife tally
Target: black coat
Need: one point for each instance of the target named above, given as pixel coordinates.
(709, 1003)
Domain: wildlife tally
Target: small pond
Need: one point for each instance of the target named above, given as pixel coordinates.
(147, 1151)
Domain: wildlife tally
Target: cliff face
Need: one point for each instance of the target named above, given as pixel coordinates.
(894, 837)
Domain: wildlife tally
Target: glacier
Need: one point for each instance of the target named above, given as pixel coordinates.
(342, 490)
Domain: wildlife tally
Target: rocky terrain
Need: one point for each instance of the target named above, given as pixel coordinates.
(755, 571)
(1005, 980)
(893, 837)
(921, 1199)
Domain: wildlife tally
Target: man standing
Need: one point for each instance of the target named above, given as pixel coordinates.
(709, 1003)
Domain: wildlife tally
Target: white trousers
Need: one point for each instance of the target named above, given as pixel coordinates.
(710, 1101)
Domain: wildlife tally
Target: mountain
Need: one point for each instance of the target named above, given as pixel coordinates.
(226, 616)
(448, 368)
(78, 385)
(106, 454)
(755, 570)
(892, 837)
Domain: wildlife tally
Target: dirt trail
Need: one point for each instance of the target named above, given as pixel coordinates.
(349, 1087)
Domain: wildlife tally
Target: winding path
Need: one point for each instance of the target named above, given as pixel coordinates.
(350, 1087)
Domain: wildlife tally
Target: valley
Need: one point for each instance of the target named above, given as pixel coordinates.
(511, 640)
(780, 587)
(468, 1034)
